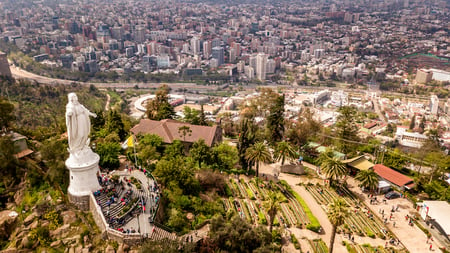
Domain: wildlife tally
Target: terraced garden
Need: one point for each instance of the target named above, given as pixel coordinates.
(361, 222)
(318, 246)
(366, 248)
(247, 199)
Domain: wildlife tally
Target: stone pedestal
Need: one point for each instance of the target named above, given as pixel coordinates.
(83, 167)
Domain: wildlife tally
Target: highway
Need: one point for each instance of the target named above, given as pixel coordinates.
(23, 74)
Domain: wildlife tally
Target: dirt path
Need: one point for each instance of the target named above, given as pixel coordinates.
(317, 210)
(108, 100)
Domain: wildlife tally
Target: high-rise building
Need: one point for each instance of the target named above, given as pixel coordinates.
(423, 76)
(4, 65)
(139, 34)
(237, 48)
(270, 69)
(117, 32)
(434, 104)
(261, 65)
(163, 61)
(207, 47)
(216, 42)
(195, 46)
(249, 72)
(66, 60)
(447, 107)
(232, 56)
(218, 54)
(252, 61)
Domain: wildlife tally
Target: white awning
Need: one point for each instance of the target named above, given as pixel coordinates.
(383, 184)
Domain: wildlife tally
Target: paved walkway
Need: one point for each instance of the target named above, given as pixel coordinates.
(411, 237)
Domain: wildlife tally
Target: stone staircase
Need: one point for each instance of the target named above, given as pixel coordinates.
(161, 234)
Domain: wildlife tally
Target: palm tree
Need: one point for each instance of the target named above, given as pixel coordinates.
(258, 153)
(368, 179)
(333, 167)
(283, 151)
(338, 210)
(272, 204)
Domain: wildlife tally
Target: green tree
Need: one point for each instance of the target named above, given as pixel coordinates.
(347, 128)
(412, 123)
(99, 121)
(10, 166)
(333, 168)
(174, 150)
(337, 211)
(225, 157)
(115, 124)
(368, 179)
(191, 116)
(434, 135)
(149, 148)
(247, 137)
(236, 235)
(183, 131)
(272, 204)
(202, 117)
(283, 151)
(159, 108)
(275, 120)
(422, 125)
(176, 172)
(54, 153)
(6, 114)
(109, 154)
(200, 152)
(304, 130)
(258, 153)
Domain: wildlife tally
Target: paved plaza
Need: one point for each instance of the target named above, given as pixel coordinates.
(411, 237)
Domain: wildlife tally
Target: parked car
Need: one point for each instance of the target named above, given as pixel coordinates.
(392, 195)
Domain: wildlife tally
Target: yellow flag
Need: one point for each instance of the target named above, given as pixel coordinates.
(130, 141)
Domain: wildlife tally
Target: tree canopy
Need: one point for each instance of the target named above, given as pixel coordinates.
(159, 108)
(338, 210)
(347, 128)
(258, 153)
(6, 114)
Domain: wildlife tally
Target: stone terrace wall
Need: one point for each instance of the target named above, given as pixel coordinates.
(293, 169)
(130, 239)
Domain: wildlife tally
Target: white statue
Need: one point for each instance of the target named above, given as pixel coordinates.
(78, 124)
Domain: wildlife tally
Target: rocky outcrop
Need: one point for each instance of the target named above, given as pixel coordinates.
(8, 221)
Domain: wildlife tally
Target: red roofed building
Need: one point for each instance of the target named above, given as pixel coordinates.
(170, 130)
(395, 178)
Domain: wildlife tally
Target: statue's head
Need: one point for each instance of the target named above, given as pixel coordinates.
(73, 97)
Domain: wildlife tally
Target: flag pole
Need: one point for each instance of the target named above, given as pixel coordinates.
(134, 148)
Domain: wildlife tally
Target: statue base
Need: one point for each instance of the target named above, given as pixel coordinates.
(83, 167)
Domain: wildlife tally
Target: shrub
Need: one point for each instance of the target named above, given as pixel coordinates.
(314, 225)
(295, 241)
(41, 234)
(228, 191)
(369, 233)
(262, 218)
(250, 194)
(276, 236)
(54, 218)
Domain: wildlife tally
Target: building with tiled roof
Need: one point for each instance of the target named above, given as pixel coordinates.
(170, 130)
(395, 178)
